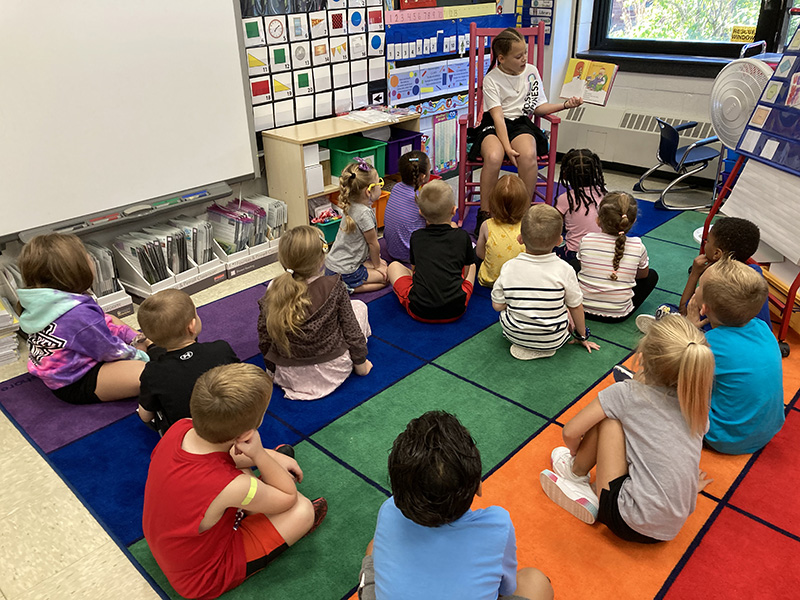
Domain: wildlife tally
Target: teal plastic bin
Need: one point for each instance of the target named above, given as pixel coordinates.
(345, 149)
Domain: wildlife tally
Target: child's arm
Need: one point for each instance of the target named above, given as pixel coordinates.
(548, 108)
(575, 429)
(480, 245)
(699, 265)
(579, 319)
(97, 341)
(274, 492)
(498, 298)
(371, 235)
(121, 330)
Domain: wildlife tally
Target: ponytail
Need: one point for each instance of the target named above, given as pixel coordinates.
(410, 166)
(695, 381)
(355, 178)
(617, 214)
(502, 43)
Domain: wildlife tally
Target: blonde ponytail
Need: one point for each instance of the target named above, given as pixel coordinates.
(353, 180)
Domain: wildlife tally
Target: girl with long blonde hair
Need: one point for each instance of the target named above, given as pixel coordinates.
(645, 436)
(311, 334)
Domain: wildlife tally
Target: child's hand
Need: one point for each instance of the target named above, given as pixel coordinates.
(363, 368)
(699, 264)
(573, 102)
(693, 313)
(290, 464)
(586, 344)
(512, 155)
(702, 481)
(250, 447)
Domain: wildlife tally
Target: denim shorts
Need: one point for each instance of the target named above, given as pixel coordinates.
(352, 280)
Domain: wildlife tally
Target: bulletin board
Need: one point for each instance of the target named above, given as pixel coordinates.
(530, 12)
(316, 62)
(772, 135)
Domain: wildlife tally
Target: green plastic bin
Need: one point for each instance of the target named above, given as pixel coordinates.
(344, 149)
(329, 229)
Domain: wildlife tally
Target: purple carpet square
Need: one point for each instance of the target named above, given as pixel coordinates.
(234, 319)
(50, 422)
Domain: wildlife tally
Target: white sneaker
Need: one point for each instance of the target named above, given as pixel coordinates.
(577, 498)
(561, 462)
(644, 322)
(522, 353)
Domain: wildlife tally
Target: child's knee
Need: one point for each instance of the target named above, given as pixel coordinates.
(304, 512)
(534, 584)
(493, 157)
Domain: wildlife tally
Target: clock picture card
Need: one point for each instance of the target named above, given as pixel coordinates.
(337, 22)
(254, 32)
(257, 61)
(319, 24)
(298, 27)
(356, 21)
(276, 29)
(279, 58)
(301, 55)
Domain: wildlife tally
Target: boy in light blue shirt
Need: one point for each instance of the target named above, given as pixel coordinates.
(747, 401)
(428, 543)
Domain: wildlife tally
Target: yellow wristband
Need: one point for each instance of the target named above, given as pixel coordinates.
(252, 492)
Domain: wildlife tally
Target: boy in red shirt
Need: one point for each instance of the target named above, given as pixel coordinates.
(209, 522)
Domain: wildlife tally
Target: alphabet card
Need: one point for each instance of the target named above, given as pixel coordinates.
(254, 32)
(358, 46)
(301, 55)
(375, 19)
(356, 20)
(320, 52)
(298, 27)
(303, 82)
(257, 61)
(339, 49)
(276, 29)
(279, 58)
(319, 24)
(377, 43)
(282, 87)
(337, 22)
(261, 89)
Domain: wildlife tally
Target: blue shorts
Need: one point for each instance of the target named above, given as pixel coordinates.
(352, 280)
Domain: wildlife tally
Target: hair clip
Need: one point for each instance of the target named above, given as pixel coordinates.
(362, 164)
(621, 233)
(353, 175)
(415, 159)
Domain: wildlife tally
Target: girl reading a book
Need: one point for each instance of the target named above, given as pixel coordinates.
(82, 354)
(513, 93)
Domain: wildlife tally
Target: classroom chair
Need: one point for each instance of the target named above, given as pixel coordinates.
(698, 154)
(469, 189)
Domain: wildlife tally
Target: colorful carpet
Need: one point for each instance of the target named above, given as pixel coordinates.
(735, 545)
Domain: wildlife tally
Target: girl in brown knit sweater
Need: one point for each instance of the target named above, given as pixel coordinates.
(311, 334)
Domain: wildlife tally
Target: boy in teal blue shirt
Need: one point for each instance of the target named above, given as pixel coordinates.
(747, 401)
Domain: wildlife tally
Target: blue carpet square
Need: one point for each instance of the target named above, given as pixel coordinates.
(649, 218)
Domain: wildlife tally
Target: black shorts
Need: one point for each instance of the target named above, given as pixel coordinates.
(81, 391)
(514, 128)
(609, 514)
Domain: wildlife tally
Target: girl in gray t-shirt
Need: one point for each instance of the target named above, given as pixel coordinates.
(645, 436)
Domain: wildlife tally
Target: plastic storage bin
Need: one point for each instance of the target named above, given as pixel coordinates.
(329, 229)
(400, 142)
(345, 149)
(380, 207)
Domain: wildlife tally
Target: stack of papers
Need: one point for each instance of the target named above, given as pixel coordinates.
(198, 234)
(145, 254)
(258, 233)
(173, 243)
(10, 281)
(9, 325)
(277, 215)
(232, 227)
(105, 271)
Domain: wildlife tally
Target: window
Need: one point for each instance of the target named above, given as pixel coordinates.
(684, 27)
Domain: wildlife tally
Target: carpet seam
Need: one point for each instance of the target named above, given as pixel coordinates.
(764, 522)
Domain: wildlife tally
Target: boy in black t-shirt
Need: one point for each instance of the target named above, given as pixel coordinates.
(177, 359)
(443, 260)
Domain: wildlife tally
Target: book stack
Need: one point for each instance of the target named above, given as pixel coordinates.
(105, 271)
(199, 235)
(247, 222)
(9, 325)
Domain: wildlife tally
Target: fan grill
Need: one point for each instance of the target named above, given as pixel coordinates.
(735, 94)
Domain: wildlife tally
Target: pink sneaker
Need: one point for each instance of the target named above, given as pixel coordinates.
(577, 498)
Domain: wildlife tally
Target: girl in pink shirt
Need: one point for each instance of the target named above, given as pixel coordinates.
(582, 175)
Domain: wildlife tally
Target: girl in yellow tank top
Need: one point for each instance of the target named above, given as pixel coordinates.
(498, 238)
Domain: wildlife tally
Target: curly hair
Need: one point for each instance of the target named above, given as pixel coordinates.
(581, 173)
(737, 237)
(617, 214)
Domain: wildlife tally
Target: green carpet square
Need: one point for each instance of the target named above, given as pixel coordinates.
(672, 263)
(680, 229)
(625, 333)
(333, 553)
(497, 426)
(545, 385)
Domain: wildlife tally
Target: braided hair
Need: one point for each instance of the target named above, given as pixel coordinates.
(616, 215)
(411, 165)
(502, 43)
(582, 175)
(355, 178)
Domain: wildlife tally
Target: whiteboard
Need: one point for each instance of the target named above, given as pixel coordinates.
(104, 104)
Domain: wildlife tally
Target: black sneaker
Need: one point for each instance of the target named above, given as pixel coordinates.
(621, 373)
(286, 449)
(483, 215)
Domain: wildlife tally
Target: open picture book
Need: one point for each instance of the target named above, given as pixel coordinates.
(589, 80)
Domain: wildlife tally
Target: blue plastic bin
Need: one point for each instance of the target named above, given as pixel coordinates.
(401, 141)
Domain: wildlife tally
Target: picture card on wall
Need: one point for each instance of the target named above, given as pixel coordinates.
(303, 82)
(339, 49)
(282, 87)
(263, 117)
(261, 89)
(257, 61)
(356, 3)
(358, 46)
(301, 55)
(377, 43)
(322, 78)
(279, 58)
(337, 22)
(377, 68)
(374, 2)
(298, 27)
(276, 29)
(304, 108)
(342, 103)
(336, 4)
(319, 24)
(323, 105)
(284, 113)
(360, 96)
(341, 74)
(375, 19)
(358, 72)
(356, 20)
(320, 52)
(254, 32)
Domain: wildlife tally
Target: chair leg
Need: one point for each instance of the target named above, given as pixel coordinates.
(663, 205)
(639, 185)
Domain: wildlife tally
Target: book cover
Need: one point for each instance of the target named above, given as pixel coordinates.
(589, 80)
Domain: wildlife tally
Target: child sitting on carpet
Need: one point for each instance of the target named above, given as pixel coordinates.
(428, 543)
(169, 319)
(82, 354)
(537, 293)
(615, 276)
(645, 436)
(208, 524)
(312, 335)
(747, 401)
(582, 175)
(356, 254)
(402, 217)
(497, 241)
(440, 285)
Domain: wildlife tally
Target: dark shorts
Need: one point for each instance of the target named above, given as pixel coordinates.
(352, 280)
(402, 288)
(609, 514)
(81, 391)
(514, 128)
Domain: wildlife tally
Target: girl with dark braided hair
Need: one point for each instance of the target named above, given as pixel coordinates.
(402, 217)
(582, 176)
(615, 276)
